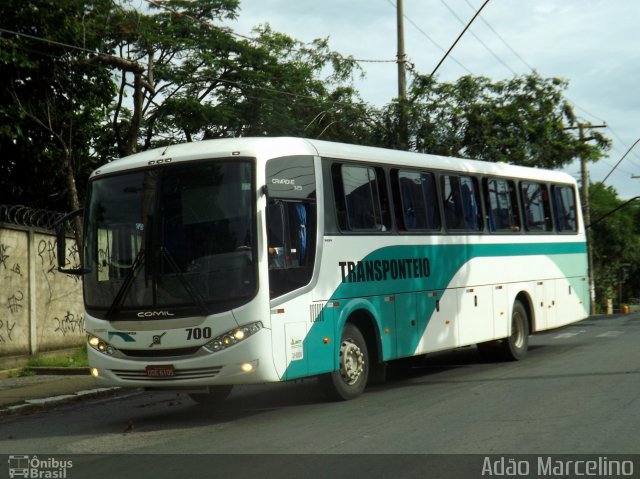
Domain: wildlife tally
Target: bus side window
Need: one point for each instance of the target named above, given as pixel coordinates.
(361, 198)
(564, 208)
(461, 205)
(418, 201)
(502, 206)
(290, 244)
(276, 234)
(537, 211)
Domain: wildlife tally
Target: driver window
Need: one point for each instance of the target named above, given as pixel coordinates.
(290, 245)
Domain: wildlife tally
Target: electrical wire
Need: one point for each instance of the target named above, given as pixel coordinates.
(436, 44)
(479, 40)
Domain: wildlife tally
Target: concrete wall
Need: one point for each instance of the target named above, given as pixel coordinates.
(40, 308)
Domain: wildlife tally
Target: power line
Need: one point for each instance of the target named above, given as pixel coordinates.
(500, 37)
(436, 44)
(520, 57)
(240, 35)
(48, 41)
(478, 38)
(459, 37)
(238, 84)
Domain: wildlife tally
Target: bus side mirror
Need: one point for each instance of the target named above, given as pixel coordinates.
(60, 227)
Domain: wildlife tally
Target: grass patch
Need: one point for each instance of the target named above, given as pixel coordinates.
(21, 373)
(78, 359)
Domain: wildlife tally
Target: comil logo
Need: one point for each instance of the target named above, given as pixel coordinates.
(155, 314)
(34, 467)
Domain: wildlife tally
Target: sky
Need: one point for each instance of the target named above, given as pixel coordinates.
(593, 44)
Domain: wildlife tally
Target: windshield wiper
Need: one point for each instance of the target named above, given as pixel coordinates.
(195, 295)
(128, 281)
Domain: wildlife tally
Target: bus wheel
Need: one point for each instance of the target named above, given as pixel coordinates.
(349, 381)
(216, 395)
(515, 346)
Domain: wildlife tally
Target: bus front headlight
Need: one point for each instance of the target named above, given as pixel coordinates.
(100, 345)
(232, 337)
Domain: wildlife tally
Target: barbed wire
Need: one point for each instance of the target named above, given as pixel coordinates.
(26, 216)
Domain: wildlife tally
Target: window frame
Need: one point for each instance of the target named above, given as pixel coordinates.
(571, 188)
(381, 216)
(546, 205)
(478, 201)
(514, 212)
(399, 198)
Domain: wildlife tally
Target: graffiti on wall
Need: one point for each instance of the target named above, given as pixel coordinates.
(6, 331)
(47, 304)
(13, 324)
(69, 324)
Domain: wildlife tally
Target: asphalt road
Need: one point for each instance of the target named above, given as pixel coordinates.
(576, 392)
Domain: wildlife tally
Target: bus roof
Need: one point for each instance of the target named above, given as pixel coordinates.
(264, 148)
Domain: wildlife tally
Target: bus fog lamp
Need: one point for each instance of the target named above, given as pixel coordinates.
(95, 373)
(233, 337)
(249, 366)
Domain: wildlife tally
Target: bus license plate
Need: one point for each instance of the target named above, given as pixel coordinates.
(160, 371)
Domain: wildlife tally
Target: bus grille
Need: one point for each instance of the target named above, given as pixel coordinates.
(180, 374)
(159, 353)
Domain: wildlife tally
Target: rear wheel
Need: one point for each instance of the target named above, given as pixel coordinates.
(349, 381)
(516, 345)
(216, 395)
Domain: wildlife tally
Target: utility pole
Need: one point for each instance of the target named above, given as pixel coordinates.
(586, 212)
(403, 128)
(402, 57)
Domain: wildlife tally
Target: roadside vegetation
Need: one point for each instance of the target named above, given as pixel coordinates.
(76, 358)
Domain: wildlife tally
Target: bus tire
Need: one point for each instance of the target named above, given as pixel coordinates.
(215, 396)
(516, 345)
(349, 381)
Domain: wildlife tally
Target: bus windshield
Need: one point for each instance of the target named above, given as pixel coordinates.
(171, 241)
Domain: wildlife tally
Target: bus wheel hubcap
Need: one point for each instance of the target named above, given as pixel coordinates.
(518, 334)
(351, 361)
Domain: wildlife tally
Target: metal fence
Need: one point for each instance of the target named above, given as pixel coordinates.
(27, 216)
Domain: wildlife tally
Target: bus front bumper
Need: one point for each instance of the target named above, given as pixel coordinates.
(249, 362)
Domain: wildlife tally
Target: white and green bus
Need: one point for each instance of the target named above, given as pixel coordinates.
(256, 260)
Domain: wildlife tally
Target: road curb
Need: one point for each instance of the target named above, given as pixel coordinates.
(32, 405)
(59, 371)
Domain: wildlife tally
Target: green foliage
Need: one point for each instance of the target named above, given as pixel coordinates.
(52, 101)
(616, 246)
(76, 359)
(521, 121)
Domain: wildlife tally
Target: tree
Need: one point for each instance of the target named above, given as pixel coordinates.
(521, 121)
(190, 79)
(616, 245)
(86, 81)
(52, 102)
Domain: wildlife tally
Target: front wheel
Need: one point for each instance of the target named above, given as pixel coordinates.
(516, 345)
(349, 381)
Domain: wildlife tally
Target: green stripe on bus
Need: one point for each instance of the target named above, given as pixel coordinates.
(380, 279)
